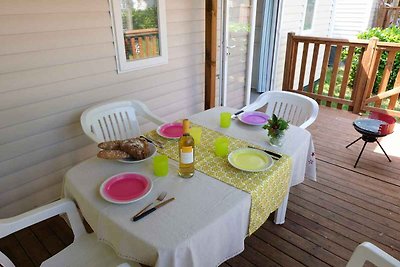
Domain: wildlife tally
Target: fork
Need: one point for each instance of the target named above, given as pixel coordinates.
(160, 198)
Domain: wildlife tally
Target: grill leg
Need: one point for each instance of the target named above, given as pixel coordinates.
(353, 142)
(384, 151)
(359, 156)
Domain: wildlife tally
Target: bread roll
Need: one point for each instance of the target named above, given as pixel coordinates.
(137, 148)
(112, 154)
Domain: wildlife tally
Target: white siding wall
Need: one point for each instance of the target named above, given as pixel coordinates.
(57, 59)
(353, 17)
(292, 20)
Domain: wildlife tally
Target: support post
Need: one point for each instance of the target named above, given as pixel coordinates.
(211, 53)
(288, 59)
(365, 75)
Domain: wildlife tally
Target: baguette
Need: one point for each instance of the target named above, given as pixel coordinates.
(112, 154)
(110, 145)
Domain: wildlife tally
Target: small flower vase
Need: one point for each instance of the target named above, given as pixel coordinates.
(277, 140)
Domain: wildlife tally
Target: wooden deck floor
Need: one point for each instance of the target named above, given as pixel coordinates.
(325, 220)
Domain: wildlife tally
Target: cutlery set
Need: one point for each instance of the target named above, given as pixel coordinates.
(236, 114)
(155, 142)
(274, 155)
(146, 211)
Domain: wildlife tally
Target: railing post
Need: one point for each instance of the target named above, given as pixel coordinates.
(365, 75)
(288, 59)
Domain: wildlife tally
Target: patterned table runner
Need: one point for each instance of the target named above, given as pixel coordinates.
(267, 188)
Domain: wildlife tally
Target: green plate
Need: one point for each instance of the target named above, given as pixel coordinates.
(251, 160)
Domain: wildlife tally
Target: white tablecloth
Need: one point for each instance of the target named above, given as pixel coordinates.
(204, 226)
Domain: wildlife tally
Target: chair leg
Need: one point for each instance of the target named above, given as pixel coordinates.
(359, 156)
(384, 151)
(353, 142)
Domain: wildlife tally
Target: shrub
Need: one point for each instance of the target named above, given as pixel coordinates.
(142, 19)
(391, 34)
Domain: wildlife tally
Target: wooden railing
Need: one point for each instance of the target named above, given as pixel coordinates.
(358, 97)
(387, 16)
(143, 43)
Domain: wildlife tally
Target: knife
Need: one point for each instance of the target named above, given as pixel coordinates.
(268, 152)
(144, 214)
(237, 114)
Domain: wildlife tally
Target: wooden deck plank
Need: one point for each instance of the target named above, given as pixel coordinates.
(286, 247)
(257, 258)
(355, 231)
(239, 261)
(347, 212)
(319, 229)
(61, 229)
(48, 238)
(271, 252)
(352, 188)
(318, 239)
(334, 200)
(32, 246)
(372, 183)
(305, 244)
(10, 246)
(325, 220)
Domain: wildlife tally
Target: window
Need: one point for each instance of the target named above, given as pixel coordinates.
(309, 15)
(140, 33)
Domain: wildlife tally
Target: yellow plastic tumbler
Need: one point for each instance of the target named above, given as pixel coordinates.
(160, 165)
(221, 146)
(225, 119)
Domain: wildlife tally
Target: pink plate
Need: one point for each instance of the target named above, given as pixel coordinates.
(172, 130)
(125, 188)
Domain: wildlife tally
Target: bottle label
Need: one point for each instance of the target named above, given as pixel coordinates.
(187, 155)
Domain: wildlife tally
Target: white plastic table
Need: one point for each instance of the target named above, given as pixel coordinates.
(204, 226)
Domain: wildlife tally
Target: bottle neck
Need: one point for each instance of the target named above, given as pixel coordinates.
(186, 126)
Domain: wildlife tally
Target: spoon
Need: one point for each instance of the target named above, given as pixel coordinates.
(160, 198)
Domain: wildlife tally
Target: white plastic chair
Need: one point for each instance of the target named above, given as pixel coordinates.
(84, 251)
(298, 109)
(369, 252)
(115, 120)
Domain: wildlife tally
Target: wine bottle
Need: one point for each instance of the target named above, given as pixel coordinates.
(186, 152)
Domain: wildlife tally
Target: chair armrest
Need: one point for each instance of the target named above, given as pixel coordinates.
(313, 116)
(16, 223)
(145, 112)
(258, 103)
(369, 252)
(5, 261)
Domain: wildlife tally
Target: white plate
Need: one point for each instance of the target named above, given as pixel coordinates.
(126, 187)
(153, 151)
(250, 160)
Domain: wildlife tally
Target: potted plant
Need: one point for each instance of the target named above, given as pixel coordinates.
(276, 129)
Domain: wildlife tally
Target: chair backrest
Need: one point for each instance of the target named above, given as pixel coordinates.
(115, 120)
(369, 252)
(385, 128)
(299, 110)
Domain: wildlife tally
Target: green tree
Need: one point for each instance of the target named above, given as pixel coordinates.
(391, 34)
